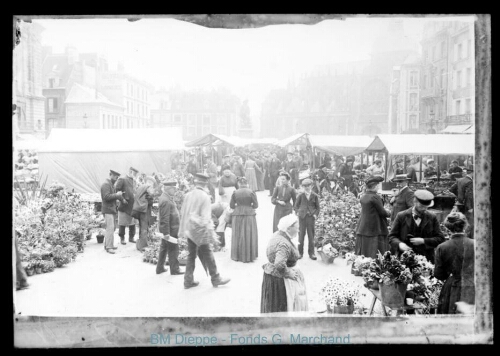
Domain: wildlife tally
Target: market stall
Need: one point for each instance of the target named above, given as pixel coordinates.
(81, 158)
(341, 145)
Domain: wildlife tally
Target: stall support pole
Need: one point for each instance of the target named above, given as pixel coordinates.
(386, 165)
(420, 173)
(438, 169)
(404, 163)
(361, 160)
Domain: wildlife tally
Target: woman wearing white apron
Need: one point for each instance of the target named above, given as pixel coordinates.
(227, 185)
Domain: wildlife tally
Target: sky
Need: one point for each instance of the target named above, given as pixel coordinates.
(249, 62)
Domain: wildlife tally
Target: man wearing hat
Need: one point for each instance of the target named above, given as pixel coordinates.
(403, 198)
(168, 225)
(143, 204)
(464, 191)
(212, 173)
(196, 205)
(455, 171)
(416, 228)
(345, 171)
(109, 197)
(225, 164)
(430, 171)
(274, 171)
(307, 208)
(191, 167)
(238, 169)
(127, 186)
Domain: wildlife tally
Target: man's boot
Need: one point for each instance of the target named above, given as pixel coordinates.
(220, 281)
(131, 233)
(222, 239)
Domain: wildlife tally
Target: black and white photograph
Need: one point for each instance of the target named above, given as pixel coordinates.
(251, 179)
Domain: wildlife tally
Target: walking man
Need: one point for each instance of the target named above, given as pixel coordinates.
(195, 225)
(109, 197)
(274, 172)
(169, 226)
(307, 208)
(127, 186)
(464, 191)
(403, 198)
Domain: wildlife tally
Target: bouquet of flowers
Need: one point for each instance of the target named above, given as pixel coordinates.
(389, 269)
(340, 292)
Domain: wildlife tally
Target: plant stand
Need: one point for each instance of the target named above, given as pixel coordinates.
(393, 295)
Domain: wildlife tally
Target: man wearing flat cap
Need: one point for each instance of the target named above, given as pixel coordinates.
(464, 191)
(143, 204)
(455, 171)
(431, 170)
(127, 186)
(307, 208)
(168, 224)
(196, 209)
(416, 228)
(109, 197)
(403, 198)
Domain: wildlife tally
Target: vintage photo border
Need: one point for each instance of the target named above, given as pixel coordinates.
(62, 332)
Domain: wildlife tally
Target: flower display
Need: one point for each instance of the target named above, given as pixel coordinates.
(340, 292)
(337, 221)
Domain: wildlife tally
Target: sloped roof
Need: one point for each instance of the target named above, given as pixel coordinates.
(113, 140)
(297, 139)
(82, 94)
(456, 129)
(432, 144)
(341, 145)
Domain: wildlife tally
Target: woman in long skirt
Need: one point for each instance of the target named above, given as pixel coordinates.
(283, 285)
(251, 177)
(244, 240)
(371, 233)
(227, 185)
(455, 266)
(282, 195)
(259, 173)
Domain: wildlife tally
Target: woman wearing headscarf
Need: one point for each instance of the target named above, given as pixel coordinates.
(228, 183)
(371, 232)
(244, 240)
(283, 287)
(250, 175)
(455, 265)
(282, 195)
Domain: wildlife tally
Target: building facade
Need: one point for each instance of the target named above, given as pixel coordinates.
(29, 116)
(447, 76)
(131, 93)
(197, 112)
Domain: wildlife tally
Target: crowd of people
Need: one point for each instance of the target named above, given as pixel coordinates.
(227, 195)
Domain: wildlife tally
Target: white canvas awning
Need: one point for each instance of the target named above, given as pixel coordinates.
(215, 140)
(437, 144)
(341, 145)
(456, 129)
(295, 140)
(114, 140)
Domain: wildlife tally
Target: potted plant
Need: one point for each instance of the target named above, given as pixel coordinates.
(100, 235)
(393, 278)
(359, 264)
(327, 252)
(38, 267)
(30, 270)
(340, 296)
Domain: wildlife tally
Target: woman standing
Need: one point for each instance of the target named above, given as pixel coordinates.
(376, 169)
(227, 185)
(250, 175)
(371, 233)
(259, 173)
(283, 287)
(282, 195)
(244, 242)
(455, 265)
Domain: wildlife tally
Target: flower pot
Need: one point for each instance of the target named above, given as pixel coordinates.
(100, 239)
(38, 270)
(341, 309)
(393, 295)
(30, 271)
(325, 258)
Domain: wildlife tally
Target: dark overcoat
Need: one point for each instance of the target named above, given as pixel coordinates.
(373, 218)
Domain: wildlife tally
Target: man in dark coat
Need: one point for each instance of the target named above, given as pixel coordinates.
(464, 190)
(225, 164)
(127, 186)
(403, 199)
(274, 171)
(416, 228)
(345, 171)
(109, 197)
(289, 166)
(168, 223)
(455, 171)
(307, 208)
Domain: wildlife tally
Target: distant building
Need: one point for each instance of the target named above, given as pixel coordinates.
(131, 93)
(197, 112)
(27, 81)
(86, 108)
(447, 90)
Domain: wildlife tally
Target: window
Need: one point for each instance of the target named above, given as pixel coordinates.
(432, 78)
(443, 49)
(128, 107)
(177, 119)
(459, 79)
(206, 120)
(424, 84)
(469, 48)
(413, 102)
(459, 51)
(103, 121)
(434, 53)
(192, 131)
(413, 122)
(192, 119)
(109, 122)
(425, 55)
(457, 107)
(441, 79)
(52, 103)
(51, 82)
(467, 106)
(206, 130)
(469, 73)
(413, 79)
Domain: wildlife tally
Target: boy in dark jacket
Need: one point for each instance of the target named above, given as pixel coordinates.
(307, 208)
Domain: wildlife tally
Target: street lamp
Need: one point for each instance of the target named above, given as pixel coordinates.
(85, 121)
